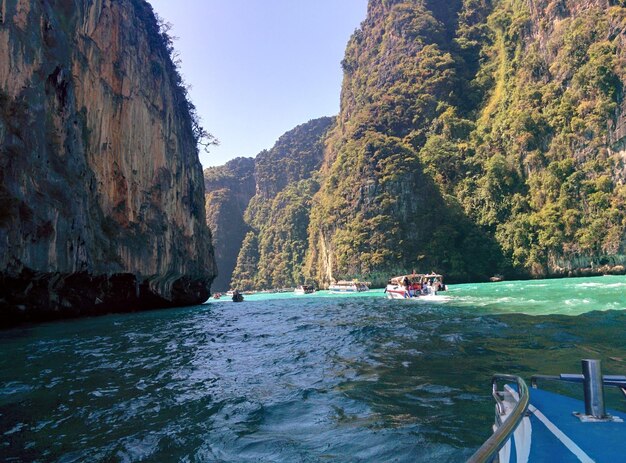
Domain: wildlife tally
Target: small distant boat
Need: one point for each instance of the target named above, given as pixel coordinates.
(415, 285)
(304, 289)
(353, 286)
(542, 426)
(235, 295)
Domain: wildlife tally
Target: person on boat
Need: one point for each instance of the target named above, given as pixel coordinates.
(407, 286)
(412, 290)
(426, 288)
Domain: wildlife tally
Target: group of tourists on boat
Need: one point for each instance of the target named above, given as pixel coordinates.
(414, 285)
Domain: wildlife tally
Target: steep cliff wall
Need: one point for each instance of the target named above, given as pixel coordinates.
(101, 192)
(547, 176)
(258, 210)
(380, 210)
(273, 251)
(476, 137)
(229, 189)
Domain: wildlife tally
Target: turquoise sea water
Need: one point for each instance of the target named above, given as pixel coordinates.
(332, 378)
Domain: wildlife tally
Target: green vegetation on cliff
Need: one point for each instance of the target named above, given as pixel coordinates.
(541, 170)
(273, 252)
(473, 140)
(229, 189)
(475, 137)
(277, 217)
(385, 205)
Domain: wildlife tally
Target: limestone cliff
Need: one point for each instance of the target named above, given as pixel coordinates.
(477, 137)
(380, 211)
(229, 189)
(101, 190)
(272, 233)
(548, 144)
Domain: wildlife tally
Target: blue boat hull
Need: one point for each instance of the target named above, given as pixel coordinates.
(552, 433)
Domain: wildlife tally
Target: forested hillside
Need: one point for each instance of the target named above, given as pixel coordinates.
(545, 165)
(264, 246)
(486, 139)
(475, 138)
(382, 209)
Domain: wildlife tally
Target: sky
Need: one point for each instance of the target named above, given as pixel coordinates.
(258, 68)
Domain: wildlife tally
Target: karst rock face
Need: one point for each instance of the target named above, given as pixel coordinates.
(474, 138)
(258, 210)
(229, 189)
(477, 137)
(101, 189)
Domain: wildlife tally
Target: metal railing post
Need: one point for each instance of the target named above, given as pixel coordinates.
(594, 388)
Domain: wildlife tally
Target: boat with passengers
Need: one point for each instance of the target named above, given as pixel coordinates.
(353, 286)
(536, 425)
(414, 285)
(304, 289)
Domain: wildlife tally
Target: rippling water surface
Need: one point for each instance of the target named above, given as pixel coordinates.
(297, 378)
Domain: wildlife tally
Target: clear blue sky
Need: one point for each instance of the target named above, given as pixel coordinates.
(258, 68)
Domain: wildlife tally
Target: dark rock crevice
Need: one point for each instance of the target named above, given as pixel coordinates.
(36, 296)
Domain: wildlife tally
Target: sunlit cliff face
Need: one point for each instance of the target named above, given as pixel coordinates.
(477, 137)
(100, 173)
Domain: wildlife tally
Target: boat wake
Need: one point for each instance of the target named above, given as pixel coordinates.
(432, 298)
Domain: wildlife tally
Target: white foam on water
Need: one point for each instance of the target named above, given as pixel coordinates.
(615, 285)
(577, 301)
(431, 298)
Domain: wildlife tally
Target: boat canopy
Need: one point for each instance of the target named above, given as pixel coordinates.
(416, 278)
(350, 283)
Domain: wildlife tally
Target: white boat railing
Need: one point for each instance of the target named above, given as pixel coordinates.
(488, 451)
